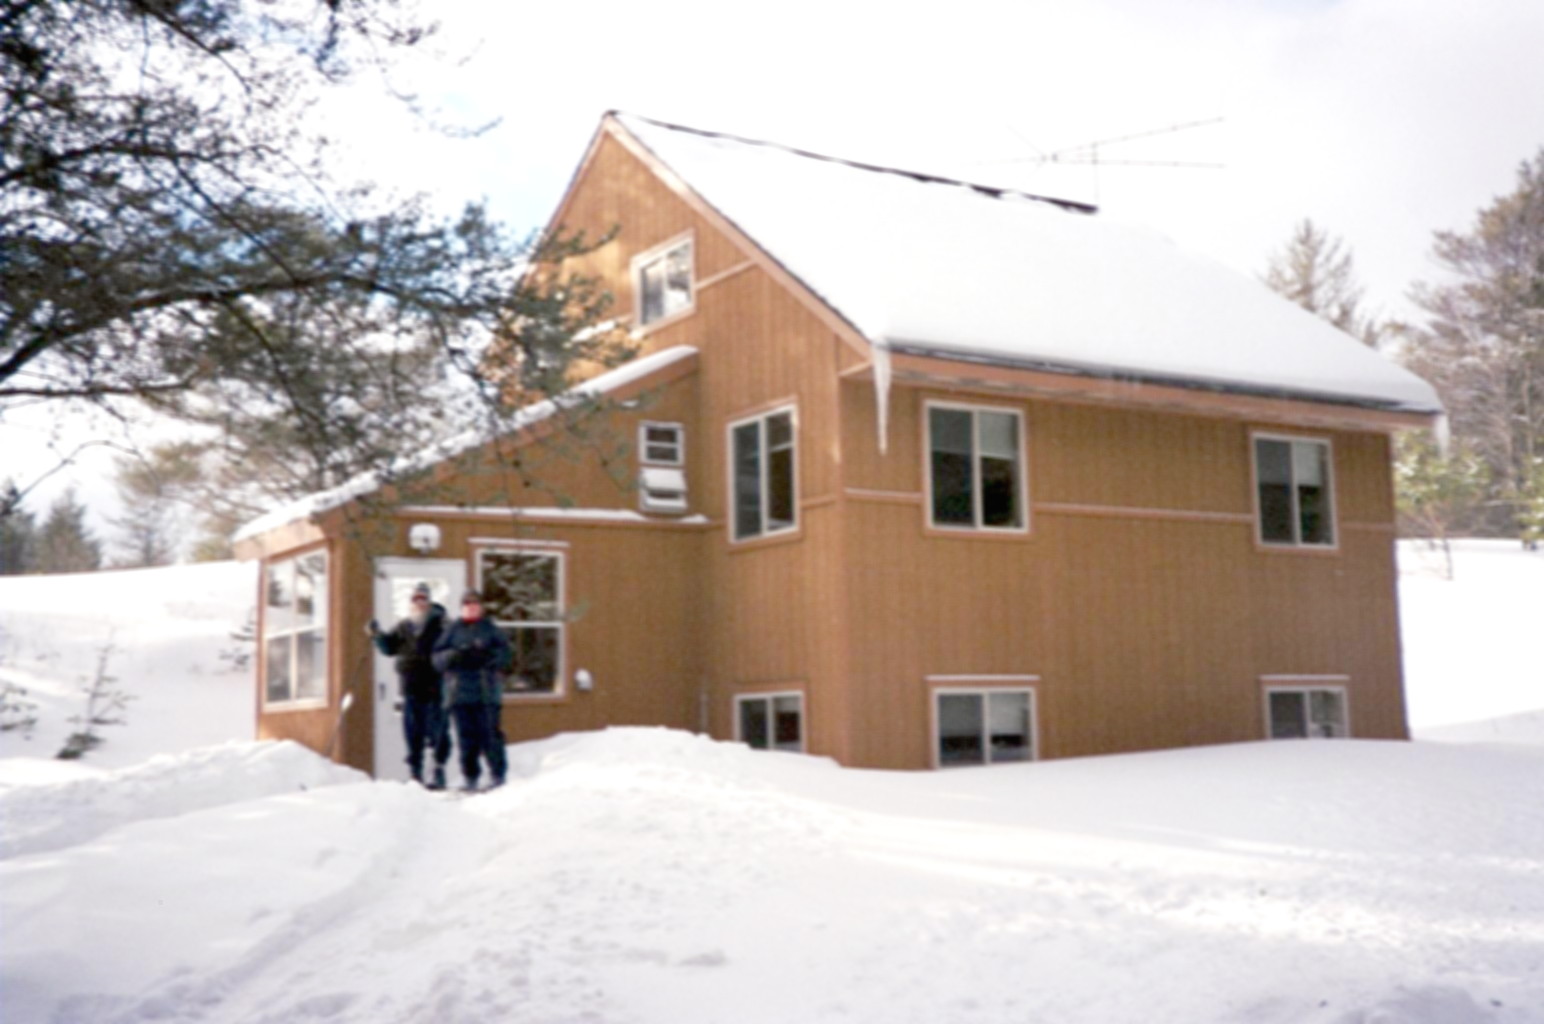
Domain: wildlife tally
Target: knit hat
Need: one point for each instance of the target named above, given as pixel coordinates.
(471, 596)
(422, 590)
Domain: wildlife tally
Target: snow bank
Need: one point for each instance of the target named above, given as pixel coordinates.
(1470, 643)
(170, 630)
(50, 814)
(643, 876)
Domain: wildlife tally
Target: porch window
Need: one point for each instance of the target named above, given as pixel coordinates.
(975, 468)
(295, 630)
(1306, 712)
(773, 721)
(977, 727)
(1294, 501)
(522, 592)
(663, 279)
(762, 475)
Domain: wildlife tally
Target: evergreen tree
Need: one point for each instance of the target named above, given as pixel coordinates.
(150, 528)
(1314, 270)
(1438, 492)
(18, 533)
(65, 544)
(1483, 344)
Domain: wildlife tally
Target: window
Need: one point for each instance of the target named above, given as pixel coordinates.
(295, 630)
(1306, 712)
(762, 470)
(523, 593)
(662, 444)
(661, 489)
(663, 278)
(983, 726)
(773, 721)
(1292, 481)
(975, 468)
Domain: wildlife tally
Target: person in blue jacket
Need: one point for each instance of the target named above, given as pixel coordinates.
(474, 654)
(411, 642)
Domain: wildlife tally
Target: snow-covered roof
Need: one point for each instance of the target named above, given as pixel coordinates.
(926, 266)
(596, 387)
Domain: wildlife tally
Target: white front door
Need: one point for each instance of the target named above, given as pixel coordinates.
(395, 579)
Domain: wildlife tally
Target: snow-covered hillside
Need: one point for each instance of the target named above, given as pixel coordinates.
(644, 876)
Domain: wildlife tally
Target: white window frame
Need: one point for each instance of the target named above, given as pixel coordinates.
(760, 419)
(1008, 685)
(1307, 685)
(322, 599)
(643, 443)
(740, 699)
(560, 603)
(1296, 543)
(648, 258)
(975, 467)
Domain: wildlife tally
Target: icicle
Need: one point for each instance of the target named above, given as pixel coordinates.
(882, 391)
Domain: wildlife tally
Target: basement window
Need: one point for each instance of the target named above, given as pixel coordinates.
(1306, 712)
(771, 721)
(979, 727)
(1294, 497)
(662, 279)
(295, 630)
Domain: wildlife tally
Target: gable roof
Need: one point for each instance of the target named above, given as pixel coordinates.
(922, 265)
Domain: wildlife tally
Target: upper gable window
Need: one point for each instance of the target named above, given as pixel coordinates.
(975, 468)
(1293, 485)
(762, 475)
(662, 278)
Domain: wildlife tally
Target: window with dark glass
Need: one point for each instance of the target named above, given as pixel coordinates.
(1293, 481)
(295, 629)
(762, 469)
(1306, 713)
(976, 468)
(984, 727)
(665, 283)
(523, 593)
(771, 722)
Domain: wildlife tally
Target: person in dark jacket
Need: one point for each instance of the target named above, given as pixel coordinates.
(474, 654)
(411, 642)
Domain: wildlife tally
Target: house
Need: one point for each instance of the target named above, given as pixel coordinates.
(929, 474)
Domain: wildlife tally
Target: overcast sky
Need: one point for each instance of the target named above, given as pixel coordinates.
(1383, 120)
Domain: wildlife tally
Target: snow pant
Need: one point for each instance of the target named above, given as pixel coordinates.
(424, 725)
(478, 733)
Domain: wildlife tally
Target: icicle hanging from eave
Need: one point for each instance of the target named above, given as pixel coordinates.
(881, 366)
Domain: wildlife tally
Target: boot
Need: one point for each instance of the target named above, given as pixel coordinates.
(438, 782)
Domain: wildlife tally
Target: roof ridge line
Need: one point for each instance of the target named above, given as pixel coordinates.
(992, 191)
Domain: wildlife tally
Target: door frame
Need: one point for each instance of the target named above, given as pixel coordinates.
(389, 749)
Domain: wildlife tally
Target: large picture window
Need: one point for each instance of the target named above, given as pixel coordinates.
(772, 721)
(522, 592)
(663, 278)
(975, 468)
(763, 484)
(1293, 486)
(295, 630)
(1306, 712)
(977, 727)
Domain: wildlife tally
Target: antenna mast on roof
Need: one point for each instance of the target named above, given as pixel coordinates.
(1088, 152)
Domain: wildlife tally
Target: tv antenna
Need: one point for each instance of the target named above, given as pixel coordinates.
(1088, 153)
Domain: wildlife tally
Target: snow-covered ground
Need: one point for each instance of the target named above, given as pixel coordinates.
(642, 875)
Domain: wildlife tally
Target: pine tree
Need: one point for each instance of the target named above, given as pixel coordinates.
(151, 527)
(65, 544)
(1438, 492)
(1483, 345)
(18, 533)
(1314, 270)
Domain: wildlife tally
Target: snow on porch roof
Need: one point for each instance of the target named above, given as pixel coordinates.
(596, 387)
(928, 266)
